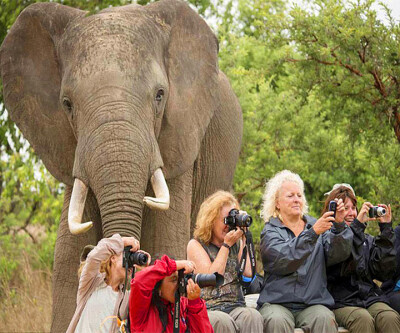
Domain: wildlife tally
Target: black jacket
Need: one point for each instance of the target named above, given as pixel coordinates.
(388, 285)
(295, 267)
(351, 282)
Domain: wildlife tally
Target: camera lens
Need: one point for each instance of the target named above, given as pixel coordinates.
(380, 211)
(244, 220)
(139, 258)
(207, 280)
(376, 211)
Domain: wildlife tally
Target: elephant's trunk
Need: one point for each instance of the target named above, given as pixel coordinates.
(79, 193)
(116, 158)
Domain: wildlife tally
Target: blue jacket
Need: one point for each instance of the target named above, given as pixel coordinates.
(295, 267)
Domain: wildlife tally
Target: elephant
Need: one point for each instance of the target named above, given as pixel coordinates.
(128, 108)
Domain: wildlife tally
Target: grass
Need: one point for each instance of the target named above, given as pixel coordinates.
(25, 300)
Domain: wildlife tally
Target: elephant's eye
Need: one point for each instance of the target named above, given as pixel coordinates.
(67, 104)
(160, 94)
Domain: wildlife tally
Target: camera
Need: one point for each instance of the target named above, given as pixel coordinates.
(332, 207)
(235, 219)
(203, 280)
(133, 258)
(376, 211)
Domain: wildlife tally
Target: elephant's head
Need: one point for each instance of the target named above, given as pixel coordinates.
(112, 101)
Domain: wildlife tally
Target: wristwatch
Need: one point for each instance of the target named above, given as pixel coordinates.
(226, 245)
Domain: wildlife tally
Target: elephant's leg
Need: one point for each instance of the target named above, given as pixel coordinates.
(168, 232)
(216, 163)
(66, 261)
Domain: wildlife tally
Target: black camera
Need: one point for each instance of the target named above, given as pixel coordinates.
(235, 219)
(133, 258)
(203, 280)
(332, 207)
(376, 211)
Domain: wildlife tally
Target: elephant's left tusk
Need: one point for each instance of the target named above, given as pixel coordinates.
(160, 188)
(76, 207)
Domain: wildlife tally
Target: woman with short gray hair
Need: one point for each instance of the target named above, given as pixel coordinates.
(295, 250)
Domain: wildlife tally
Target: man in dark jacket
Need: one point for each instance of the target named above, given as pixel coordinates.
(391, 287)
(359, 303)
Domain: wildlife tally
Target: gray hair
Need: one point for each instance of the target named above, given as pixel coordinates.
(272, 188)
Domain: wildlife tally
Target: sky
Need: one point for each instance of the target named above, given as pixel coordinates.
(394, 5)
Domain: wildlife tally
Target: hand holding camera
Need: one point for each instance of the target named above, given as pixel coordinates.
(369, 212)
(132, 242)
(324, 223)
(238, 221)
(187, 265)
(337, 207)
(385, 213)
(192, 290)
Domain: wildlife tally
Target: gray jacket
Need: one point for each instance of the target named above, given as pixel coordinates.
(295, 267)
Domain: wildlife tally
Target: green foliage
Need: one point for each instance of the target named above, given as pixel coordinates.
(311, 99)
(30, 208)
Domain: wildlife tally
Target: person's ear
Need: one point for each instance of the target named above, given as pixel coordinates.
(31, 74)
(191, 61)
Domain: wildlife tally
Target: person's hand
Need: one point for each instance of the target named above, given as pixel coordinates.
(148, 259)
(192, 290)
(233, 236)
(340, 212)
(388, 216)
(324, 223)
(363, 214)
(187, 265)
(131, 241)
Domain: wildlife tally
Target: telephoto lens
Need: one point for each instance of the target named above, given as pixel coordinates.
(206, 280)
(376, 211)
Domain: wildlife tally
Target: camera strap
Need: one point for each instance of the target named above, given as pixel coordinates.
(128, 320)
(179, 291)
(248, 246)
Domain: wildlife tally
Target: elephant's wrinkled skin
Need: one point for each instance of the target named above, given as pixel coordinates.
(108, 99)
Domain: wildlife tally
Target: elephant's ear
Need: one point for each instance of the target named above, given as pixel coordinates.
(192, 67)
(31, 84)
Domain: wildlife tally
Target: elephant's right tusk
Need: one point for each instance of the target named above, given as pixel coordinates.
(160, 188)
(76, 207)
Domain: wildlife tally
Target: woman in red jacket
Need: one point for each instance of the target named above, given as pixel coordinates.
(152, 298)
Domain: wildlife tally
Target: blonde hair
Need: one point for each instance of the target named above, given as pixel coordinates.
(271, 193)
(105, 267)
(209, 211)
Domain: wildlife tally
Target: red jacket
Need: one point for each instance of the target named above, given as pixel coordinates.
(144, 316)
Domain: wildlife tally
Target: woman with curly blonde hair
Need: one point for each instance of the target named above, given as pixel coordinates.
(295, 250)
(216, 248)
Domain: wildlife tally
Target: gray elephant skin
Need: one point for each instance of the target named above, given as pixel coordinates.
(108, 99)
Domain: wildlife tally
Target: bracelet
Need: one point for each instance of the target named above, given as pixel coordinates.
(226, 245)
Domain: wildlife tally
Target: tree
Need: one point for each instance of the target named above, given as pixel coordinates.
(297, 116)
